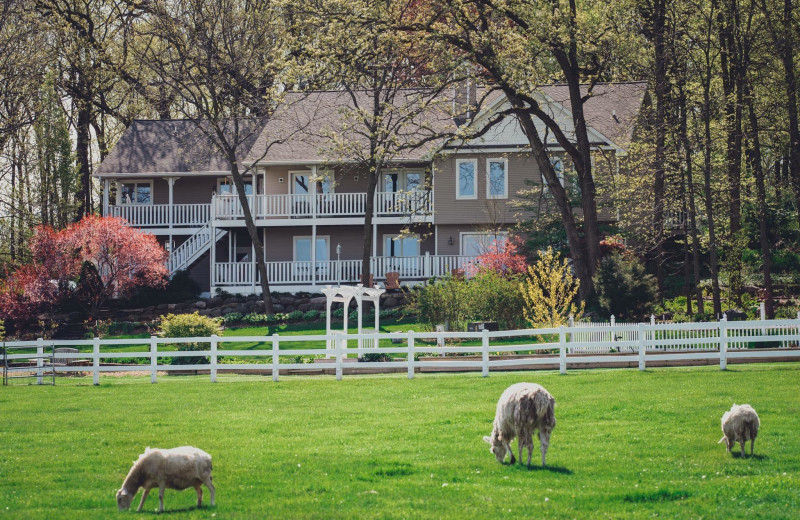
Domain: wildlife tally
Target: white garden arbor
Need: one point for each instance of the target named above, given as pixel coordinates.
(344, 294)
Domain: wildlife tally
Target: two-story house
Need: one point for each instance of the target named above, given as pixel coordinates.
(309, 204)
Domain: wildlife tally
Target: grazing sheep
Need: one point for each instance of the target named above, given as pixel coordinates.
(177, 468)
(740, 424)
(523, 408)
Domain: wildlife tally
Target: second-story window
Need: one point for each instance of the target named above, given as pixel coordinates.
(225, 186)
(496, 178)
(136, 192)
(558, 166)
(466, 179)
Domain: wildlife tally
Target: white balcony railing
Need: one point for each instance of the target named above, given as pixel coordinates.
(228, 207)
(147, 215)
(411, 268)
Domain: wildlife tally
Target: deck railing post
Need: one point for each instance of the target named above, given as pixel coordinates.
(411, 354)
(562, 350)
(275, 357)
(39, 360)
(96, 361)
(213, 358)
(153, 358)
(723, 343)
(642, 348)
(485, 353)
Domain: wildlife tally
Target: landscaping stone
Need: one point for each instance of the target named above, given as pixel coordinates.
(389, 302)
(172, 307)
(304, 307)
(232, 299)
(277, 307)
(286, 300)
(200, 305)
(301, 301)
(214, 302)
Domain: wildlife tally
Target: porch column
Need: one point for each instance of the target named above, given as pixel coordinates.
(253, 264)
(106, 187)
(213, 254)
(171, 207)
(313, 191)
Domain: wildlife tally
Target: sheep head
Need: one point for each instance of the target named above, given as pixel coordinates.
(124, 500)
(497, 447)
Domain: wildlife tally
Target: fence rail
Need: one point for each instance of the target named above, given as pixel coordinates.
(533, 347)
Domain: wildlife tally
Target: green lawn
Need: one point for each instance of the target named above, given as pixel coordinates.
(627, 445)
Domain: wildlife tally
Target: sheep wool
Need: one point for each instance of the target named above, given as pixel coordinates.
(176, 468)
(522, 409)
(740, 424)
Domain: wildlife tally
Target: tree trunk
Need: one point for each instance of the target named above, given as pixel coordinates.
(369, 213)
(576, 245)
(82, 144)
(692, 206)
(787, 58)
(709, 201)
(658, 27)
(252, 230)
(754, 156)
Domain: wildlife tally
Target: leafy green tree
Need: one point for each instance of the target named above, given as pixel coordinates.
(624, 288)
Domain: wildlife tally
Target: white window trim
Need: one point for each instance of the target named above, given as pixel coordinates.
(485, 233)
(120, 202)
(474, 163)
(392, 236)
(505, 178)
(560, 174)
(327, 238)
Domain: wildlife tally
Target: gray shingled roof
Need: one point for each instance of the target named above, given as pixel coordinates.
(608, 100)
(300, 130)
(171, 146)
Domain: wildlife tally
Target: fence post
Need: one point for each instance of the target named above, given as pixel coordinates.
(96, 361)
(340, 347)
(39, 359)
(613, 322)
(275, 357)
(213, 358)
(410, 354)
(723, 343)
(562, 350)
(153, 358)
(485, 354)
(640, 333)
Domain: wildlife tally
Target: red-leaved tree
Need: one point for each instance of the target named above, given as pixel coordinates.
(90, 261)
(503, 259)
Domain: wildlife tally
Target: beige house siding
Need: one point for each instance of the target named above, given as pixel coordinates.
(449, 210)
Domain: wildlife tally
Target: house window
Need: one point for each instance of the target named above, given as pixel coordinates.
(225, 186)
(558, 167)
(477, 244)
(496, 178)
(302, 249)
(301, 183)
(466, 179)
(394, 182)
(400, 245)
(136, 192)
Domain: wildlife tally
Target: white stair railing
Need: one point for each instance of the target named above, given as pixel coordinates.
(193, 248)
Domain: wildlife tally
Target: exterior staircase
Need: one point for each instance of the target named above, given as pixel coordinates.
(193, 248)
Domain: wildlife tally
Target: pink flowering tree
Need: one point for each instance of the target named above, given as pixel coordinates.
(90, 261)
(503, 259)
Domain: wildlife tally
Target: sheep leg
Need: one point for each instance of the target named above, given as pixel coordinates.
(544, 440)
(144, 497)
(161, 499)
(507, 446)
(199, 488)
(752, 441)
(520, 445)
(210, 487)
(530, 448)
(741, 443)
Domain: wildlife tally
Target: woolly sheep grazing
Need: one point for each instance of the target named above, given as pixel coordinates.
(740, 424)
(176, 468)
(523, 408)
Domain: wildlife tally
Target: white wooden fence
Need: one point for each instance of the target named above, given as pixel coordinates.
(711, 342)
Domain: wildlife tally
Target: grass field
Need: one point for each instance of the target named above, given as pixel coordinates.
(627, 445)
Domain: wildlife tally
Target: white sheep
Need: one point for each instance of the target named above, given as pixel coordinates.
(740, 424)
(176, 468)
(523, 408)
